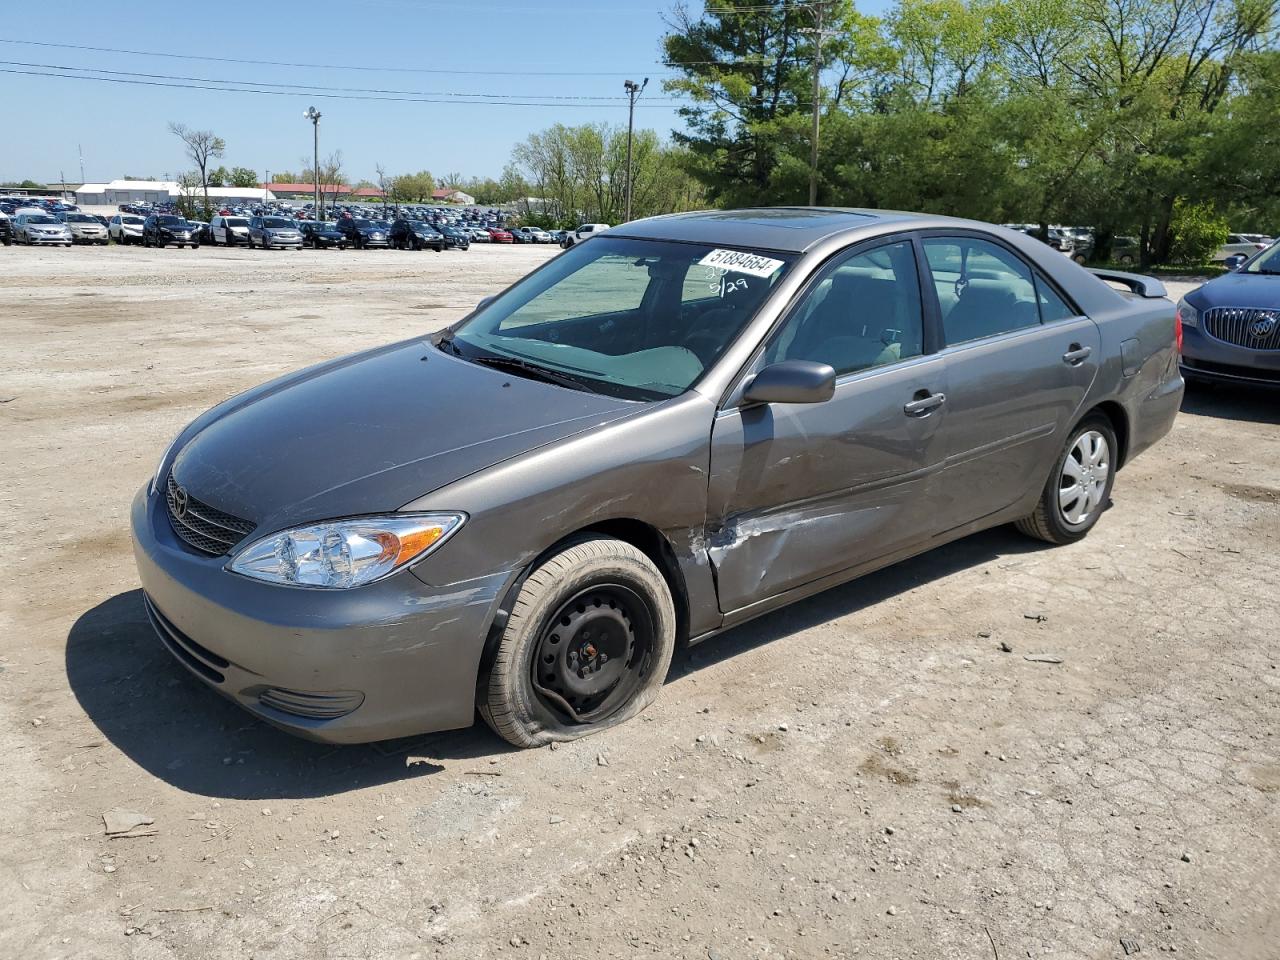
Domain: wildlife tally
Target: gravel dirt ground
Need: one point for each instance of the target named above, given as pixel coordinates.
(865, 774)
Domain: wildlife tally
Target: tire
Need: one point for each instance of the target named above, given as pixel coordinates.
(1051, 521)
(604, 585)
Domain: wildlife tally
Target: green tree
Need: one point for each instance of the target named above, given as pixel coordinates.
(242, 177)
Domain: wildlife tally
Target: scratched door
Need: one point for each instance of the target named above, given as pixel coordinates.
(801, 491)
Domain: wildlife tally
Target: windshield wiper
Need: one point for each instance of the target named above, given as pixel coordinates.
(532, 370)
(446, 343)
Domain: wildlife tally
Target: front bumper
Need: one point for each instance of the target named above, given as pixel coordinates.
(406, 653)
(1207, 358)
(53, 238)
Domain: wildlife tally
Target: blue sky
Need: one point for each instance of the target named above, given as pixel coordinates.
(512, 46)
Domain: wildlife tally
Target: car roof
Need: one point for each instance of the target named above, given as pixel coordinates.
(788, 229)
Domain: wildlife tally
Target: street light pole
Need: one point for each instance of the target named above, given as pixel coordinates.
(633, 93)
(312, 114)
(819, 33)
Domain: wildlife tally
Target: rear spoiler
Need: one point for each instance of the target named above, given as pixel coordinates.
(1148, 287)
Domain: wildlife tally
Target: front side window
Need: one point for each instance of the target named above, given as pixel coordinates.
(983, 289)
(616, 316)
(863, 312)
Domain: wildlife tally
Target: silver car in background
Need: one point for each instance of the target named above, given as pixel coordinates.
(40, 228)
(85, 229)
(656, 436)
(274, 232)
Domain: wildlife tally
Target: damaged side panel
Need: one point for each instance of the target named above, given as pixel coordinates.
(801, 491)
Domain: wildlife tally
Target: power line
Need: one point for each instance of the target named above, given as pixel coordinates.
(317, 66)
(307, 88)
(327, 96)
(329, 67)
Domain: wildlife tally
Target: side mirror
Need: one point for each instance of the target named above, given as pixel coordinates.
(792, 381)
(485, 301)
(1235, 261)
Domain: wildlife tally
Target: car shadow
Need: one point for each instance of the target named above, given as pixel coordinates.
(173, 726)
(177, 729)
(1230, 402)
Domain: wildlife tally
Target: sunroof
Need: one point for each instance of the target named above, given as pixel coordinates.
(794, 218)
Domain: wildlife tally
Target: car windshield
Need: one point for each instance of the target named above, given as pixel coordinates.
(277, 223)
(41, 218)
(380, 225)
(639, 319)
(236, 222)
(1268, 261)
(172, 221)
(363, 224)
(134, 220)
(79, 218)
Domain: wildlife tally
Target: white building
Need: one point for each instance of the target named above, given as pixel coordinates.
(161, 191)
(127, 191)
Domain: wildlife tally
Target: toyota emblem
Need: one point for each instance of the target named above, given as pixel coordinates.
(1263, 326)
(180, 500)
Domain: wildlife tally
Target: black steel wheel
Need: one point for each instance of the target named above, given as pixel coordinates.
(586, 646)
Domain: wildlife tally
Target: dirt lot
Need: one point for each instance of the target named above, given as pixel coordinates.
(865, 774)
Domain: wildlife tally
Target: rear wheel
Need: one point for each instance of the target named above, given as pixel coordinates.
(1079, 487)
(587, 645)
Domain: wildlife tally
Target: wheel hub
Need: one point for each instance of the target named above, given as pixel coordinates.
(593, 652)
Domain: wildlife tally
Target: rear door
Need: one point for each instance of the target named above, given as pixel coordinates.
(801, 491)
(1019, 361)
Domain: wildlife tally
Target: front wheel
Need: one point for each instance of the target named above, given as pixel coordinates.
(587, 645)
(1079, 487)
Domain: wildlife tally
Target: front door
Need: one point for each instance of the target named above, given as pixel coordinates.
(1019, 361)
(801, 491)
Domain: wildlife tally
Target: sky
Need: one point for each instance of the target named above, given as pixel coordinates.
(536, 60)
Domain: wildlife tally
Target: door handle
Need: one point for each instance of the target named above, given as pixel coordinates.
(922, 406)
(1076, 355)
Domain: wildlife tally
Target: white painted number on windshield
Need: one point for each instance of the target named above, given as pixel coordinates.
(736, 261)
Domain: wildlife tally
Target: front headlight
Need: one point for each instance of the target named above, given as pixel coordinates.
(1188, 314)
(344, 553)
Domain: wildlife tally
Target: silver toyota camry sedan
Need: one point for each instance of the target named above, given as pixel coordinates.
(663, 432)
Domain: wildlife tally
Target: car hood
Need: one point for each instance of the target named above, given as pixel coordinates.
(1238, 290)
(372, 432)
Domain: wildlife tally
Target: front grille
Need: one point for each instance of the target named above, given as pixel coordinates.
(206, 528)
(202, 662)
(1226, 370)
(1257, 329)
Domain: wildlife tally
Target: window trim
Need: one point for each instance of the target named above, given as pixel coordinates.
(930, 344)
(1037, 276)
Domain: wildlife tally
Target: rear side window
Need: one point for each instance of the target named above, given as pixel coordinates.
(1052, 306)
(983, 290)
(863, 312)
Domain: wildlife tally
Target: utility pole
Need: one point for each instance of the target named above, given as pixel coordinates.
(312, 114)
(818, 33)
(633, 93)
(80, 150)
